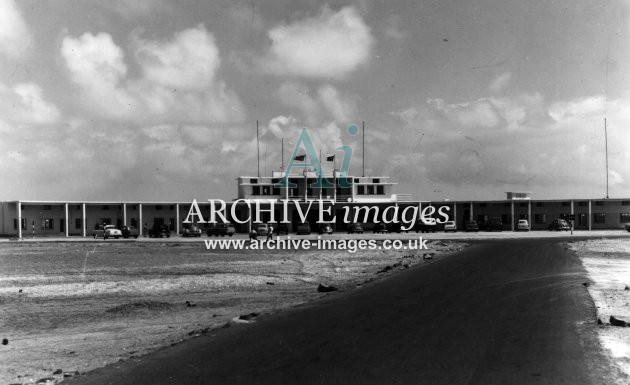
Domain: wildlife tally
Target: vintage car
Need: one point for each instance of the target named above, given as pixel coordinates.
(221, 229)
(129, 231)
(108, 231)
(190, 230)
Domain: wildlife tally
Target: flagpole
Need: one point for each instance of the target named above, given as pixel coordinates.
(335, 178)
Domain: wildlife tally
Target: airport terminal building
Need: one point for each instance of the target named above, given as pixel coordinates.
(22, 219)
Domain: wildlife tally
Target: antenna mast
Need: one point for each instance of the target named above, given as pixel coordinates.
(606, 136)
(257, 149)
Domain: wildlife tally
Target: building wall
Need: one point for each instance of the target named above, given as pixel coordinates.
(42, 219)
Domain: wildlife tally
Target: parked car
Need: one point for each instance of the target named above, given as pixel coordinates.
(559, 225)
(190, 230)
(495, 223)
(325, 228)
(426, 227)
(379, 228)
(522, 225)
(282, 228)
(221, 229)
(159, 231)
(355, 227)
(471, 226)
(262, 229)
(107, 231)
(129, 231)
(303, 228)
(450, 226)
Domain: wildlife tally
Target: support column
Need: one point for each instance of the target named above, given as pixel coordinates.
(177, 218)
(472, 215)
(124, 214)
(66, 221)
(455, 213)
(529, 215)
(512, 214)
(83, 221)
(590, 216)
(19, 213)
(141, 220)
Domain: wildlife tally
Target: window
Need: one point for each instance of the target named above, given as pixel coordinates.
(540, 219)
(624, 217)
(47, 224)
(356, 180)
(78, 223)
(599, 218)
(253, 181)
(380, 190)
(256, 190)
(158, 207)
(599, 203)
(376, 180)
(266, 190)
(522, 205)
(15, 224)
(276, 191)
(361, 190)
(370, 190)
(625, 203)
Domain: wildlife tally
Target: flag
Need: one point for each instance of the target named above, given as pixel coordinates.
(300, 157)
(330, 158)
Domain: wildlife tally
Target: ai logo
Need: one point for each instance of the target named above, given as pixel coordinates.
(304, 140)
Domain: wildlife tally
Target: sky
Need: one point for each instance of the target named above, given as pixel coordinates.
(158, 100)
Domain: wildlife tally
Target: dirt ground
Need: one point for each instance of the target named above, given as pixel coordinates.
(607, 262)
(69, 307)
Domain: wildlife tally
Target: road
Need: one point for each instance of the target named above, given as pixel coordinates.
(500, 312)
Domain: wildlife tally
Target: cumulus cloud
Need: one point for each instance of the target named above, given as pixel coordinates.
(15, 36)
(188, 62)
(178, 85)
(329, 45)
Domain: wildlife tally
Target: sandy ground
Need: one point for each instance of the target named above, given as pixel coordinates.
(69, 307)
(607, 262)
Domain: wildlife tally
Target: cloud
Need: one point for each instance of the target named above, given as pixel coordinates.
(516, 143)
(178, 82)
(329, 45)
(188, 62)
(15, 37)
(325, 104)
(500, 82)
(24, 103)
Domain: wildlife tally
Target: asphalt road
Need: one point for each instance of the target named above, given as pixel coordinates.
(500, 312)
